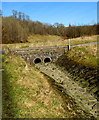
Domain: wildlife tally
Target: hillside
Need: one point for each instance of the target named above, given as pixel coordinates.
(27, 93)
(81, 64)
(15, 30)
(50, 40)
(49, 60)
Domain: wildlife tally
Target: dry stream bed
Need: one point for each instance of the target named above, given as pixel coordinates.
(84, 99)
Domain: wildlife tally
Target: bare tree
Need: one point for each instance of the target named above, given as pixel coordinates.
(20, 15)
(14, 13)
(23, 16)
(0, 13)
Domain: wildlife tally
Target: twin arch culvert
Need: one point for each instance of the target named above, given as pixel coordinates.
(39, 60)
(35, 55)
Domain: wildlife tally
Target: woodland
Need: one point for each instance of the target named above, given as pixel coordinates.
(17, 28)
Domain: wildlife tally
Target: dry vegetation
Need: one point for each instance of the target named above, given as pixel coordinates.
(51, 40)
(17, 30)
(27, 93)
(85, 39)
(81, 64)
(86, 55)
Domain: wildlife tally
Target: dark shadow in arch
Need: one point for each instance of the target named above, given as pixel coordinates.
(47, 60)
(37, 60)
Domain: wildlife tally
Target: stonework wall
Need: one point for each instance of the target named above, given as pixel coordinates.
(30, 54)
(82, 97)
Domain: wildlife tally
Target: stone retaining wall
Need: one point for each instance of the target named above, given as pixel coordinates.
(30, 54)
(83, 98)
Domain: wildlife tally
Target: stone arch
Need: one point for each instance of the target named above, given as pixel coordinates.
(37, 60)
(47, 59)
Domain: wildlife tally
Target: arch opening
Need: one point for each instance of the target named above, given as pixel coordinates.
(37, 60)
(47, 60)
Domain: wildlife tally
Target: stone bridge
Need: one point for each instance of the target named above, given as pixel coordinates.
(40, 54)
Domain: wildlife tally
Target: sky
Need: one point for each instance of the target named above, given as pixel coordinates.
(75, 13)
(49, 0)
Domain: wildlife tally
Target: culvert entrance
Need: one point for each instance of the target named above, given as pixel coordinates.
(37, 60)
(47, 60)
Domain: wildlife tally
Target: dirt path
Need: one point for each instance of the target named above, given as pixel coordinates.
(85, 100)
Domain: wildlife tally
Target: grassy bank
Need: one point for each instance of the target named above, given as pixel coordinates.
(51, 40)
(81, 64)
(85, 55)
(86, 39)
(27, 93)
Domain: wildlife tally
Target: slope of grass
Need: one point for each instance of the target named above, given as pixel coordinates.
(26, 91)
(39, 40)
(50, 40)
(85, 55)
(81, 64)
(43, 38)
(28, 94)
(84, 39)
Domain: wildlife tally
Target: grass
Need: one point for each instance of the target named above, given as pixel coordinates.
(86, 55)
(39, 40)
(81, 64)
(28, 94)
(50, 40)
(86, 39)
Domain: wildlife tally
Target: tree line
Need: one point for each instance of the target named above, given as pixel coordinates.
(17, 28)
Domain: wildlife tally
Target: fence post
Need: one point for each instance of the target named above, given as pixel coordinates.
(68, 44)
